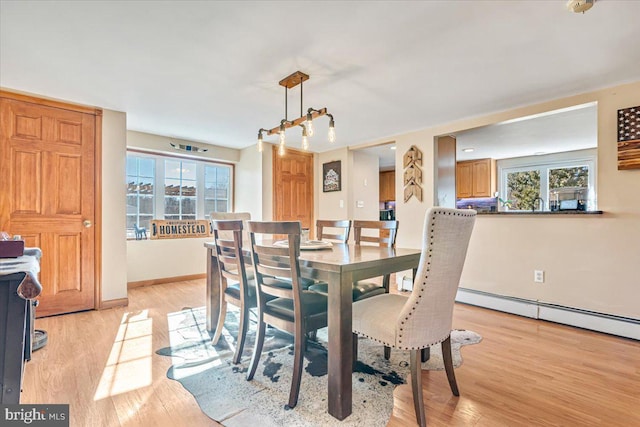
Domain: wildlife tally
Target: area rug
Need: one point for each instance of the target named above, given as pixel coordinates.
(221, 389)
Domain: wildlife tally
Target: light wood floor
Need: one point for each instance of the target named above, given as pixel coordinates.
(524, 372)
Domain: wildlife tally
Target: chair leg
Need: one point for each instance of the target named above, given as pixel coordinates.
(257, 350)
(416, 385)
(387, 352)
(386, 279)
(242, 333)
(299, 342)
(355, 351)
(426, 354)
(448, 365)
(221, 316)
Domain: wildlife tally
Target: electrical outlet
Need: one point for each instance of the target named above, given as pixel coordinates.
(538, 276)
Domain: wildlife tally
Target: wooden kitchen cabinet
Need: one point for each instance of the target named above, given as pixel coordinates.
(387, 186)
(475, 178)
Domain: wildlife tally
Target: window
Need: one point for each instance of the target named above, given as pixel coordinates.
(216, 189)
(180, 192)
(173, 188)
(140, 192)
(563, 176)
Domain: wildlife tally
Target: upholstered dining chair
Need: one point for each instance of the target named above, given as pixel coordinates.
(292, 308)
(235, 286)
(425, 317)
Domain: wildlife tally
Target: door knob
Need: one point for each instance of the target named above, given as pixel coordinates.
(87, 223)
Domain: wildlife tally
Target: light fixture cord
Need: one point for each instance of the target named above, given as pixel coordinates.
(286, 107)
(301, 83)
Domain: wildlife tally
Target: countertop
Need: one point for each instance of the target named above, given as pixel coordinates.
(566, 212)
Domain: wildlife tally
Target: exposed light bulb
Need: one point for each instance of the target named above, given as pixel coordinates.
(309, 124)
(305, 139)
(260, 145)
(332, 132)
(281, 149)
(283, 138)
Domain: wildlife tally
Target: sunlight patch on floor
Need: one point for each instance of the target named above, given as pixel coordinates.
(189, 338)
(129, 364)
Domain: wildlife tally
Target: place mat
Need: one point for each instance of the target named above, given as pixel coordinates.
(310, 245)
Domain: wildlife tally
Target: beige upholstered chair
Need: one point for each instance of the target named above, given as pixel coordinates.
(235, 286)
(282, 300)
(425, 317)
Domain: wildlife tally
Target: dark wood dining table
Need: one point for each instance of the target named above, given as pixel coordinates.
(340, 266)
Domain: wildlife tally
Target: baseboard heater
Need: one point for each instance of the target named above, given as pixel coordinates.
(601, 322)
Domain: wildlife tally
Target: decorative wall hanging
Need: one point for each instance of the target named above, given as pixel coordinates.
(412, 160)
(331, 176)
(629, 138)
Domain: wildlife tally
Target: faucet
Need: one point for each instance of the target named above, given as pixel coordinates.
(540, 205)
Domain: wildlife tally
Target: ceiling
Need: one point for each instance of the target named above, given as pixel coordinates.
(209, 71)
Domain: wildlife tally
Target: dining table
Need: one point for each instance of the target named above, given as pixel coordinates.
(339, 265)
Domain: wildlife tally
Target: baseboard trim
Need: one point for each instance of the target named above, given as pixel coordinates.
(600, 322)
(151, 282)
(113, 303)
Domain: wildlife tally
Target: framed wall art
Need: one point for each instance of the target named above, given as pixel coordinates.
(331, 176)
(629, 138)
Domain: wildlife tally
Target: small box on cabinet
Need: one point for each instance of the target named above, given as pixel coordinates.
(11, 248)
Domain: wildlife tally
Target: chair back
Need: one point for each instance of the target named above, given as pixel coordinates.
(273, 262)
(382, 238)
(244, 216)
(427, 316)
(341, 237)
(229, 253)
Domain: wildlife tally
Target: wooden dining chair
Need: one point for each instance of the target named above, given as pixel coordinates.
(235, 287)
(386, 236)
(425, 317)
(339, 230)
(291, 308)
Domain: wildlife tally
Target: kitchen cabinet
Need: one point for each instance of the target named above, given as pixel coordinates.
(387, 186)
(475, 178)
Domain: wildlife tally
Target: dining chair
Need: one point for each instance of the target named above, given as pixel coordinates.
(425, 317)
(386, 236)
(292, 308)
(235, 286)
(244, 216)
(339, 230)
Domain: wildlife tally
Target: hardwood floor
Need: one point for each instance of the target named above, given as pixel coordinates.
(524, 372)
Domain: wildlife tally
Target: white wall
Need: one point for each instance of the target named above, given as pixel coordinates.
(158, 259)
(364, 174)
(249, 196)
(334, 204)
(114, 249)
(590, 261)
(160, 144)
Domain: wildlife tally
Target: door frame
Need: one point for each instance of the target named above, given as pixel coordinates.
(97, 163)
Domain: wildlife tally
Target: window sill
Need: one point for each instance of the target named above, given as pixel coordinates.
(567, 212)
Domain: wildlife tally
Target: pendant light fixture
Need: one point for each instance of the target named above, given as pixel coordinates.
(305, 121)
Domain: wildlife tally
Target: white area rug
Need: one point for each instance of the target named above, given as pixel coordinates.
(221, 389)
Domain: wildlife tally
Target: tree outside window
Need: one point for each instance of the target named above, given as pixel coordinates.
(523, 188)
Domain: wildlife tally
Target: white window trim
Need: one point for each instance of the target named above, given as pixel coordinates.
(543, 163)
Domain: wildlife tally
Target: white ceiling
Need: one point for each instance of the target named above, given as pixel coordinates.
(209, 71)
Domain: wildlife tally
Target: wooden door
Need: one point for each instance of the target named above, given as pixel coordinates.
(293, 187)
(47, 172)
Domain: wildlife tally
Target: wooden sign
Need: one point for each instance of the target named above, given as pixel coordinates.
(413, 174)
(179, 228)
(629, 138)
(412, 160)
(412, 190)
(413, 156)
